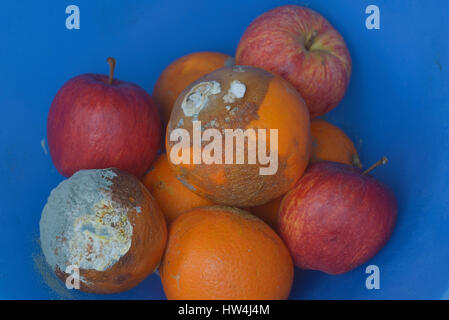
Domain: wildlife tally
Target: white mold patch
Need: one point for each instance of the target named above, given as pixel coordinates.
(100, 240)
(236, 90)
(238, 69)
(82, 226)
(198, 97)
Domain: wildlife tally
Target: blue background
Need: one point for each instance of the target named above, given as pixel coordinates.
(397, 105)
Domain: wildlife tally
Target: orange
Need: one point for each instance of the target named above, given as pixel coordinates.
(171, 195)
(180, 73)
(268, 212)
(332, 144)
(225, 253)
(243, 99)
(107, 224)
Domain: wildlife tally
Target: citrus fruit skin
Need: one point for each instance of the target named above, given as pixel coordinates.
(180, 73)
(224, 253)
(173, 197)
(268, 212)
(106, 224)
(242, 99)
(330, 143)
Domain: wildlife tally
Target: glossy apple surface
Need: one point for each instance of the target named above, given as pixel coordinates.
(335, 218)
(300, 45)
(94, 124)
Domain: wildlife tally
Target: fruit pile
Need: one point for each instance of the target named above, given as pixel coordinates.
(218, 219)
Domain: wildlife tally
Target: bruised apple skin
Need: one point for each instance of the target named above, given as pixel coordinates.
(335, 218)
(96, 122)
(106, 223)
(300, 45)
(242, 97)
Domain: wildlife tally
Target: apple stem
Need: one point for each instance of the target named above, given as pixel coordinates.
(382, 161)
(111, 62)
(309, 41)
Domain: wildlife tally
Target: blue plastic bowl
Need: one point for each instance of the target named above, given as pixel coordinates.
(397, 105)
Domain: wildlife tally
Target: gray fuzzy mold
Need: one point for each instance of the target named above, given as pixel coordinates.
(81, 225)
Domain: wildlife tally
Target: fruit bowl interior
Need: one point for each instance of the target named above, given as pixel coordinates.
(397, 105)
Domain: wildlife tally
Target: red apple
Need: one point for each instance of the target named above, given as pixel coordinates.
(98, 122)
(300, 45)
(336, 218)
